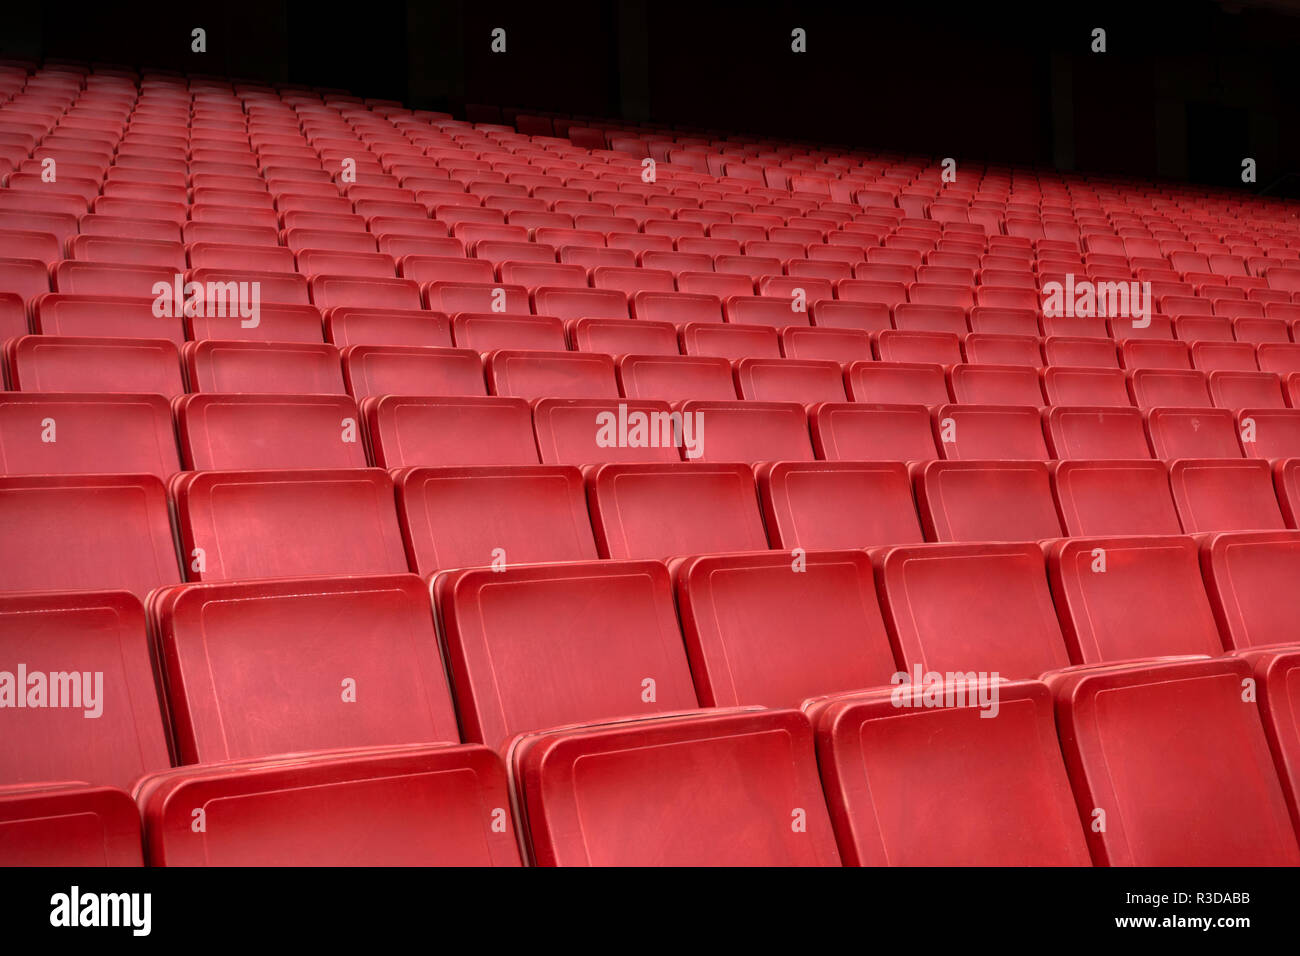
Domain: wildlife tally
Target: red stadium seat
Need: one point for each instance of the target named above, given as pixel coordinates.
(930, 800)
(373, 370)
(840, 504)
(720, 788)
(240, 525)
(50, 363)
(456, 517)
(667, 510)
(986, 501)
(228, 657)
(121, 520)
(958, 608)
(1114, 497)
(409, 430)
(990, 432)
(1248, 576)
(1130, 598)
(738, 612)
(86, 433)
(1172, 750)
(862, 432)
(433, 805)
(104, 726)
(747, 431)
(1192, 433)
(545, 645)
(69, 825)
(231, 432)
(216, 365)
(589, 431)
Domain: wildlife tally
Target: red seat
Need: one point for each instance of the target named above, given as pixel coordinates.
(453, 297)
(1095, 432)
(86, 433)
(1166, 749)
(274, 323)
(676, 307)
(544, 645)
(862, 432)
(1269, 433)
(216, 365)
(1173, 388)
(958, 608)
(1275, 676)
(408, 806)
(863, 316)
(789, 380)
(1082, 352)
(241, 525)
(588, 431)
(748, 431)
(580, 303)
(940, 786)
(1192, 433)
(1225, 495)
(101, 723)
(407, 430)
(730, 341)
(995, 385)
(827, 344)
(13, 316)
(942, 348)
(738, 612)
(50, 363)
(120, 522)
(230, 432)
(329, 291)
(397, 370)
(96, 278)
(753, 310)
(70, 825)
(990, 432)
(621, 337)
(486, 331)
(721, 788)
(919, 317)
(676, 378)
(1236, 390)
(352, 326)
(554, 374)
(456, 517)
(841, 504)
(1123, 598)
(1249, 576)
(666, 510)
(225, 255)
(897, 383)
(1114, 497)
(985, 501)
(243, 685)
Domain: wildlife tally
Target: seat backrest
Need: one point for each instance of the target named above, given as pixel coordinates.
(544, 645)
(273, 524)
(243, 684)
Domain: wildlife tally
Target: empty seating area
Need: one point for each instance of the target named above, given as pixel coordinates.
(451, 492)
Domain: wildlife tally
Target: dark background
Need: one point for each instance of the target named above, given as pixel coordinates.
(1185, 91)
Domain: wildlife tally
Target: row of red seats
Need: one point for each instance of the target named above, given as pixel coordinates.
(1156, 746)
(278, 523)
(915, 367)
(86, 433)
